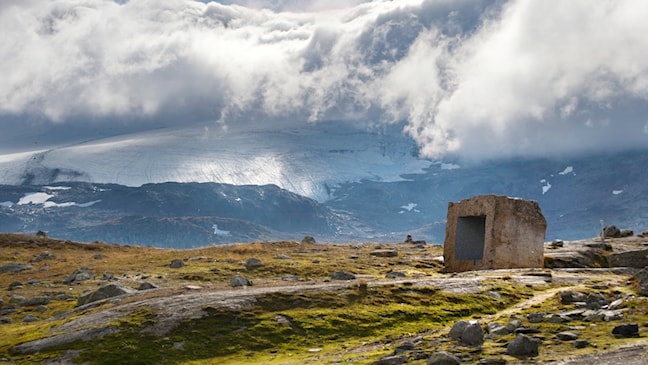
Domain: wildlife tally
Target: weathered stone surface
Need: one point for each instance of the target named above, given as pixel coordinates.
(105, 292)
(14, 267)
(32, 302)
(395, 275)
(81, 274)
(58, 340)
(567, 336)
(523, 346)
(443, 358)
(571, 296)
(147, 286)
(494, 232)
(308, 240)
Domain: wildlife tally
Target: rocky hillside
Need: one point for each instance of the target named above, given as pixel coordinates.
(306, 303)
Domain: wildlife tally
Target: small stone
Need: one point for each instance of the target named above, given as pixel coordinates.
(107, 276)
(99, 256)
(567, 336)
(43, 256)
(395, 275)
(496, 329)
(253, 263)
(615, 304)
(342, 275)
(6, 320)
(283, 257)
(443, 358)
(571, 296)
(16, 299)
(29, 318)
(523, 346)
(557, 318)
(308, 240)
(384, 253)
(239, 280)
(512, 325)
(41, 309)
(536, 317)
(391, 360)
(581, 344)
(15, 285)
(176, 264)
(147, 286)
(626, 330)
(492, 361)
(596, 301)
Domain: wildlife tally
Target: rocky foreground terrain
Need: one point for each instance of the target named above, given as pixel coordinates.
(311, 303)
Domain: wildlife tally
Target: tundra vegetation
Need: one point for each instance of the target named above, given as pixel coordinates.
(395, 300)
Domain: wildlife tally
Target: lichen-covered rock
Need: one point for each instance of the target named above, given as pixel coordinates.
(342, 275)
(473, 335)
(239, 280)
(253, 263)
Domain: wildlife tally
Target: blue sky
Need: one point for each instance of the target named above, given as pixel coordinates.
(469, 78)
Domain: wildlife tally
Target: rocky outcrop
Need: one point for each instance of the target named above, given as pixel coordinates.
(105, 292)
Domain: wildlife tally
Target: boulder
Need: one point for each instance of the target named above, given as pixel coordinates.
(81, 274)
(391, 360)
(307, 240)
(567, 336)
(457, 329)
(342, 275)
(253, 263)
(176, 264)
(611, 231)
(239, 280)
(107, 291)
(473, 335)
(572, 296)
(626, 330)
(523, 346)
(33, 302)
(384, 253)
(14, 267)
(395, 275)
(596, 301)
(641, 279)
(147, 286)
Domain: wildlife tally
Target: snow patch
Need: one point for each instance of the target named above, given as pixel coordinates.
(88, 204)
(6, 204)
(546, 187)
(617, 192)
(57, 187)
(34, 198)
(567, 170)
(220, 232)
(409, 208)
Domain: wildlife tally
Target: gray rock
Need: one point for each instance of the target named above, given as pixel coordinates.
(626, 330)
(239, 280)
(557, 318)
(307, 240)
(384, 253)
(283, 257)
(253, 263)
(41, 309)
(29, 318)
(581, 344)
(105, 292)
(473, 335)
(108, 276)
(59, 340)
(342, 275)
(536, 317)
(641, 279)
(457, 329)
(391, 360)
(596, 301)
(567, 336)
(492, 361)
(79, 275)
(611, 231)
(443, 358)
(523, 346)
(147, 286)
(395, 275)
(496, 329)
(176, 264)
(99, 256)
(17, 299)
(512, 325)
(32, 302)
(14, 267)
(571, 296)
(6, 320)
(15, 285)
(43, 256)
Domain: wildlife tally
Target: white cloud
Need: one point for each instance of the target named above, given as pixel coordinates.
(472, 78)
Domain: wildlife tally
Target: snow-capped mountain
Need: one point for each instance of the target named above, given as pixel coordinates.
(308, 161)
(332, 181)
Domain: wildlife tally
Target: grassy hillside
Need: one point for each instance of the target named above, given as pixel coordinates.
(294, 313)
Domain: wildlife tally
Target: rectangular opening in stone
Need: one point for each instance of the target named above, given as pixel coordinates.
(469, 238)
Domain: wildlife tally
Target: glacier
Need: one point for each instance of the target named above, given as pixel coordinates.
(310, 160)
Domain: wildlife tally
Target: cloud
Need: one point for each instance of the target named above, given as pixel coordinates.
(468, 78)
